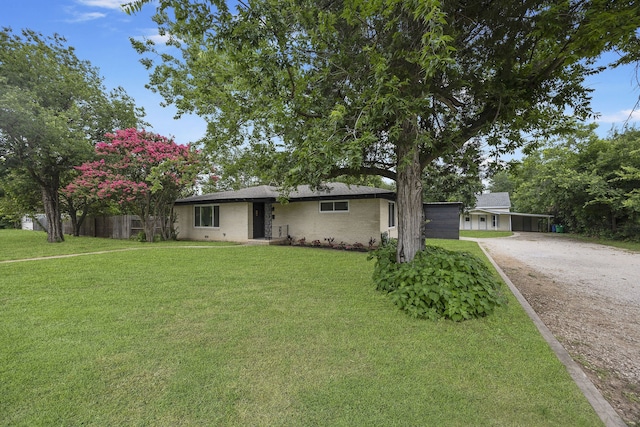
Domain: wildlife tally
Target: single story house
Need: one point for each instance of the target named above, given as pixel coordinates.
(340, 212)
(493, 212)
(344, 213)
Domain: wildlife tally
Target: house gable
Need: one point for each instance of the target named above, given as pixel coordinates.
(490, 201)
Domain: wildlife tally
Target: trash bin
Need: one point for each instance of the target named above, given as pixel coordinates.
(553, 228)
(560, 228)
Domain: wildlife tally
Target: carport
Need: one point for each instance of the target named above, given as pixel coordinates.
(530, 222)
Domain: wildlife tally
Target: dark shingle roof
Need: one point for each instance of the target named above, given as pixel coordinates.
(493, 200)
(269, 193)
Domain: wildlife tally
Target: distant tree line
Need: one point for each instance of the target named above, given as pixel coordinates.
(590, 184)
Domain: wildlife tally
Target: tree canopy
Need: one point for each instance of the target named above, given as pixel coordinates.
(383, 87)
(142, 172)
(53, 107)
(591, 185)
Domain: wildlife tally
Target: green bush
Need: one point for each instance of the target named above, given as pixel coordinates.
(438, 283)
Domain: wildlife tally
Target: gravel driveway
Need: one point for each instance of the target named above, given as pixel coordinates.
(588, 295)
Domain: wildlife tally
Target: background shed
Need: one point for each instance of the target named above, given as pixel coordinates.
(442, 220)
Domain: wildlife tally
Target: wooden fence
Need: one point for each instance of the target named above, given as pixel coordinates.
(114, 227)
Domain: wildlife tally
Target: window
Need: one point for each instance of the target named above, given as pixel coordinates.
(392, 214)
(207, 216)
(494, 221)
(338, 206)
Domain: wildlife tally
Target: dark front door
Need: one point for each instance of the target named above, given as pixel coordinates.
(258, 220)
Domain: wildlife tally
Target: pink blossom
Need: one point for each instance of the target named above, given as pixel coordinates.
(133, 165)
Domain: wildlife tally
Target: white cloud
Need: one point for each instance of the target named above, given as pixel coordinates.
(84, 17)
(158, 39)
(620, 117)
(105, 4)
(152, 34)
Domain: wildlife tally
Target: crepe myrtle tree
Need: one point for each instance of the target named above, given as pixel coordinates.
(382, 87)
(143, 173)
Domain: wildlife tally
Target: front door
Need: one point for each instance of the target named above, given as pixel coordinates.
(483, 222)
(258, 220)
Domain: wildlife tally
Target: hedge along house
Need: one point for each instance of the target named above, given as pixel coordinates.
(349, 214)
(493, 212)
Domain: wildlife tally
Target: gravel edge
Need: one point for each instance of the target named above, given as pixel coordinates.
(605, 411)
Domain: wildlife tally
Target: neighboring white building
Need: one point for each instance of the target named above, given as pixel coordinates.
(493, 212)
(28, 222)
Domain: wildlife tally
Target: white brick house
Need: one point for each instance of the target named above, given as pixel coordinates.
(345, 213)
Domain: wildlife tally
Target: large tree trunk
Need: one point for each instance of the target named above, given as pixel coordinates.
(51, 202)
(75, 228)
(148, 219)
(73, 216)
(149, 229)
(409, 200)
(76, 222)
(166, 222)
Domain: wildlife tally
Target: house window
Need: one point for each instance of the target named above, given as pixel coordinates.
(392, 214)
(207, 216)
(335, 206)
(494, 221)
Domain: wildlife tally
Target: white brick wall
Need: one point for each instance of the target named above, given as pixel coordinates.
(235, 225)
(366, 219)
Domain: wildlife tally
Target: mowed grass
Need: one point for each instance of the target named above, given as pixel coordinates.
(620, 244)
(238, 336)
(22, 244)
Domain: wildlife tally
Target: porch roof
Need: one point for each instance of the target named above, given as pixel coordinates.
(496, 212)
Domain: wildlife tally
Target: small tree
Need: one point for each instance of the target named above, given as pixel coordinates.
(144, 173)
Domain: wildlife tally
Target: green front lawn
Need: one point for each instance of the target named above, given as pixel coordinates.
(21, 244)
(621, 244)
(257, 336)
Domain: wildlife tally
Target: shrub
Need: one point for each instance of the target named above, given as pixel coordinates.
(438, 283)
(386, 267)
(139, 237)
(372, 243)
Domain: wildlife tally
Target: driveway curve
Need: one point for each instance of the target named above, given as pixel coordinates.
(588, 295)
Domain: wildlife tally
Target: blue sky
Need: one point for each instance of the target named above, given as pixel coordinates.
(100, 32)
